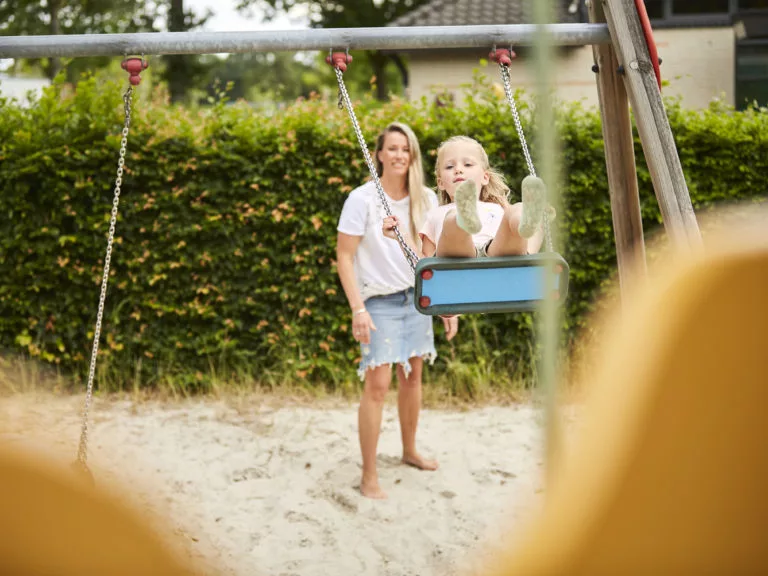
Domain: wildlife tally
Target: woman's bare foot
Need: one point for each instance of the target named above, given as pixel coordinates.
(418, 461)
(371, 489)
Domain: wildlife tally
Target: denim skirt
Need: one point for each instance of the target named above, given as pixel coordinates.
(402, 333)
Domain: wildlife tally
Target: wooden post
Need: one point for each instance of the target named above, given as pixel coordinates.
(619, 159)
(652, 122)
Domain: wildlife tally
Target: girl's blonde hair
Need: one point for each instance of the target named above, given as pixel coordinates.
(495, 191)
(419, 201)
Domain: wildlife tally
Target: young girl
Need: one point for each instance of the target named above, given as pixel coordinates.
(474, 218)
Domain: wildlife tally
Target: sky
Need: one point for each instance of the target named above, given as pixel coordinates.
(225, 18)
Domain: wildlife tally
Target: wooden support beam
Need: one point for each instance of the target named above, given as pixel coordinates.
(619, 159)
(652, 122)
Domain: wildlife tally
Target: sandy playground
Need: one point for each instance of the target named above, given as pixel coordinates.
(254, 486)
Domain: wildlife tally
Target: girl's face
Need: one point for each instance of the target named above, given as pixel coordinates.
(395, 154)
(460, 161)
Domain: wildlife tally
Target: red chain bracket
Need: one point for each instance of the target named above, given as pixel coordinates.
(645, 22)
(134, 67)
(503, 56)
(339, 60)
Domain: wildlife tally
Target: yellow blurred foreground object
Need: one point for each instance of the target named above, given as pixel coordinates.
(51, 522)
(669, 474)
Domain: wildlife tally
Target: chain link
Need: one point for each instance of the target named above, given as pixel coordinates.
(410, 255)
(526, 152)
(82, 452)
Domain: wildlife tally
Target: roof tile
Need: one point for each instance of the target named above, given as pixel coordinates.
(477, 12)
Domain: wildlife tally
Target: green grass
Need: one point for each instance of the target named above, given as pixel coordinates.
(456, 384)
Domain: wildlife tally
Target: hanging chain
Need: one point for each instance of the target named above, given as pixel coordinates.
(82, 452)
(519, 127)
(410, 255)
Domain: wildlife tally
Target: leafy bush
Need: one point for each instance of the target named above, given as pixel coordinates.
(223, 261)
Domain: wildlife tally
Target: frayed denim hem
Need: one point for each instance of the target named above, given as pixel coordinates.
(428, 356)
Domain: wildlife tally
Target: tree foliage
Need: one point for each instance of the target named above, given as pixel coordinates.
(351, 14)
(33, 17)
(224, 253)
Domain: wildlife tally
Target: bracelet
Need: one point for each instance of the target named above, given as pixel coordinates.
(356, 312)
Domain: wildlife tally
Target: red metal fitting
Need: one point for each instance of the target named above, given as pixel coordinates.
(427, 274)
(339, 60)
(503, 56)
(134, 66)
(424, 301)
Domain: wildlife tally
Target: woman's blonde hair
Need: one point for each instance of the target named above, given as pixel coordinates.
(495, 191)
(419, 202)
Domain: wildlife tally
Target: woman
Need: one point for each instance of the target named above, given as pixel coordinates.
(378, 283)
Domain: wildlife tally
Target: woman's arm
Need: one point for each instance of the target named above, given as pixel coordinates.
(388, 229)
(362, 324)
(346, 246)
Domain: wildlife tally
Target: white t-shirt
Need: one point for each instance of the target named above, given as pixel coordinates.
(380, 265)
(491, 215)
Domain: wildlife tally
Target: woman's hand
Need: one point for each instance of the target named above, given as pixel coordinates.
(451, 325)
(362, 324)
(388, 227)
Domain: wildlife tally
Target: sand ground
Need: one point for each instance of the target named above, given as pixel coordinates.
(254, 486)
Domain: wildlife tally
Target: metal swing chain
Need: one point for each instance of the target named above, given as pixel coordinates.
(410, 255)
(519, 127)
(82, 452)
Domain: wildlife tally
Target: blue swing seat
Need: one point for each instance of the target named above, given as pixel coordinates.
(447, 286)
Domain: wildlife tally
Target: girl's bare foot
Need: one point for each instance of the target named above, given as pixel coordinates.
(371, 489)
(418, 461)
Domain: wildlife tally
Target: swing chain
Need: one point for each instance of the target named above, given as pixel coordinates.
(526, 152)
(82, 452)
(516, 118)
(410, 255)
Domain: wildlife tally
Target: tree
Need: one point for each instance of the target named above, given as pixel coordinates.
(263, 76)
(36, 17)
(350, 14)
(182, 70)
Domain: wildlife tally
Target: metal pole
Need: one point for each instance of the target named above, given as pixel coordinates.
(383, 38)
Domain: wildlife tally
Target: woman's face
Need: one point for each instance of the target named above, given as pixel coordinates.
(395, 154)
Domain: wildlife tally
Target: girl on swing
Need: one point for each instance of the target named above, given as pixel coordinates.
(474, 218)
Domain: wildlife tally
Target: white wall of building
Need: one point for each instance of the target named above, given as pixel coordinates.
(697, 63)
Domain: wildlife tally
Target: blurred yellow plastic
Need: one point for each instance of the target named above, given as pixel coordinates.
(669, 474)
(51, 523)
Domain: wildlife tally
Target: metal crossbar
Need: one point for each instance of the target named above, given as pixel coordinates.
(382, 38)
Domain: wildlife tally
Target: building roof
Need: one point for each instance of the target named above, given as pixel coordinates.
(481, 12)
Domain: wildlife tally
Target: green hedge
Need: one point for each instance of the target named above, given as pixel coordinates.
(224, 257)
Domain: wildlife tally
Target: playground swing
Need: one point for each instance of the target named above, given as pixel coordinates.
(134, 67)
(448, 286)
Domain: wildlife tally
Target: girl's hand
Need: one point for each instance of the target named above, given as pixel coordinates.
(362, 324)
(388, 227)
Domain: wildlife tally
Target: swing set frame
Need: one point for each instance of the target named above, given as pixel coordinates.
(627, 73)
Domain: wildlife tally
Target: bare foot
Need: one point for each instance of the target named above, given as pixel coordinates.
(418, 461)
(372, 489)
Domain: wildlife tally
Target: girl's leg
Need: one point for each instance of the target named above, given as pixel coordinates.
(369, 426)
(456, 239)
(454, 242)
(508, 241)
(408, 406)
(521, 231)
